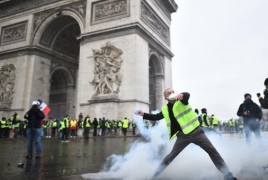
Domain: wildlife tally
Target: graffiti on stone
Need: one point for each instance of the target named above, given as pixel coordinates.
(7, 85)
(109, 10)
(107, 78)
(14, 33)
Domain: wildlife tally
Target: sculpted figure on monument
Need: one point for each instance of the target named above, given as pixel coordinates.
(107, 78)
(7, 83)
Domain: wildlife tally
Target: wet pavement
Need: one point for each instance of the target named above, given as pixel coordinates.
(68, 161)
(60, 161)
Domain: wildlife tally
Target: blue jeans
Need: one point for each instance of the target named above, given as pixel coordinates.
(34, 134)
(251, 125)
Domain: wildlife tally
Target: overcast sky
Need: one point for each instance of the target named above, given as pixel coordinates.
(221, 52)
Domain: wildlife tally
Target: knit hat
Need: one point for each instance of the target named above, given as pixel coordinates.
(204, 110)
(247, 94)
(266, 82)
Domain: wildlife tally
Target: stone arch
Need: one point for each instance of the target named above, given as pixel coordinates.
(62, 89)
(69, 76)
(39, 30)
(156, 81)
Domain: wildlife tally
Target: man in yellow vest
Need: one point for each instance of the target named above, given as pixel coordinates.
(231, 125)
(205, 124)
(3, 122)
(182, 122)
(65, 129)
(54, 127)
(215, 124)
(125, 126)
(87, 124)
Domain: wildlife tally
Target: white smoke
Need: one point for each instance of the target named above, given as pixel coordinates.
(144, 156)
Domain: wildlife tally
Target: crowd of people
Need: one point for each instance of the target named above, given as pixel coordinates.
(63, 127)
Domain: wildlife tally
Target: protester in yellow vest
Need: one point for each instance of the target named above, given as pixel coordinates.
(119, 125)
(3, 125)
(87, 124)
(125, 126)
(65, 129)
(182, 122)
(215, 124)
(73, 127)
(54, 127)
(231, 125)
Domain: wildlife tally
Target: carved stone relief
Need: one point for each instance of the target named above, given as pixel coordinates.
(107, 78)
(109, 10)
(20, 6)
(152, 19)
(14, 33)
(7, 85)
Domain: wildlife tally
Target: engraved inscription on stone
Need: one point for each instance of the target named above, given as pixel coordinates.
(107, 78)
(110, 10)
(14, 33)
(152, 19)
(7, 83)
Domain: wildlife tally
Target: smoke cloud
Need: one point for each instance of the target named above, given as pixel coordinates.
(193, 163)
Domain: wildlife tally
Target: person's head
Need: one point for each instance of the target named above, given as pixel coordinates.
(167, 92)
(266, 82)
(212, 115)
(204, 110)
(247, 96)
(35, 104)
(196, 111)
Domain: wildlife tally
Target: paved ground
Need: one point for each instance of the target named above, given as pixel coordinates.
(67, 161)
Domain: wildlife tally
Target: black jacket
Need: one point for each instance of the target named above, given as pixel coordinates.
(175, 127)
(264, 102)
(254, 111)
(34, 117)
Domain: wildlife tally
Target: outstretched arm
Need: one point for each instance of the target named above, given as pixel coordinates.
(152, 117)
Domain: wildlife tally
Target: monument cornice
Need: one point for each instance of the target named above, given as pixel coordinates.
(133, 28)
(114, 101)
(167, 6)
(35, 50)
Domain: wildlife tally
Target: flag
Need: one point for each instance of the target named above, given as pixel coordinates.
(44, 107)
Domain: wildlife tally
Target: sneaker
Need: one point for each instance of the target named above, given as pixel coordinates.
(67, 141)
(62, 141)
(229, 176)
(29, 156)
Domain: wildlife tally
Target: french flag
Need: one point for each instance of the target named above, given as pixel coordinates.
(44, 107)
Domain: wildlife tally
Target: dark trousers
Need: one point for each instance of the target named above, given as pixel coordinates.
(133, 130)
(124, 131)
(253, 126)
(199, 138)
(73, 132)
(95, 131)
(54, 131)
(86, 132)
(65, 133)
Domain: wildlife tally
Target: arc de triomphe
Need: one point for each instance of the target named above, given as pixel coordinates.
(103, 58)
